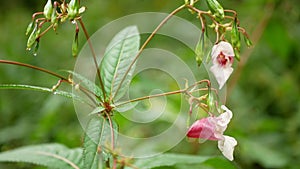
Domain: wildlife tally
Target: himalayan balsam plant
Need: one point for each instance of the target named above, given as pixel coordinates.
(114, 74)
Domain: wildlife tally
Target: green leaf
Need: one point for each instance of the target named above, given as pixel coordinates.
(118, 56)
(219, 163)
(87, 83)
(98, 135)
(170, 160)
(41, 89)
(97, 110)
(50, 155)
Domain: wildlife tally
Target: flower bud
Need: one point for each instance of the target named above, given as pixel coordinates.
(237, 54)
(32, 38)
(216, 9)
(73, 9)
(29, 28)
(75, 45)
(36, 47)
(236, 39)
(210, 101)
(48, 9)
(199, 51)
(247, 41)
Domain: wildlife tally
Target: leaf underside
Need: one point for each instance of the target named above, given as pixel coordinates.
(97, 136)
(117, 59)
(50, 155)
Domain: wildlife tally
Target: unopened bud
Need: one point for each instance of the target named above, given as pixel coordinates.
(199, 51)
(32, 38)
(75, 45)
(247, 41)
(237, 54)
(36, 47)
(236, 39)
(211, 101)
(48, 9)
(73, 9)
(29, 28)
(216, 9)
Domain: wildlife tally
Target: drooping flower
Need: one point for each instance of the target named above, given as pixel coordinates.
(212, 128)
(222, 55)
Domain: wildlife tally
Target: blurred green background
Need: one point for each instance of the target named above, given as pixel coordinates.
(263, 93)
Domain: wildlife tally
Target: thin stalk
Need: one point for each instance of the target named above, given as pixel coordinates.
(168, 93)
(112, 139)
(45, 31)
(94, 57)
(62, 79)
(36, 68)
(152, 96)
(146, 43)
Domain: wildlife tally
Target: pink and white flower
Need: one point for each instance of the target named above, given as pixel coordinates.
(222, 55)
(212, 128)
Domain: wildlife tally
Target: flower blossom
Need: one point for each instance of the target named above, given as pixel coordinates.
(212, 128)
(222, 58)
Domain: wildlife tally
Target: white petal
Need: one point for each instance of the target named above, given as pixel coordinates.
(224, 118)
(226, 48)
(221, 74)
(226, 146)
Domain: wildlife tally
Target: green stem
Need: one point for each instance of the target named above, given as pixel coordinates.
(146, 43)
(112, 139)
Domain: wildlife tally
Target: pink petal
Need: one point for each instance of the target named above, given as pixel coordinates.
(203, 129)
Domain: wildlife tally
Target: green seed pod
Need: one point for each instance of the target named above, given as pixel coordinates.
(247, 41)
(75, 45)
(73, 9)
(236, 39)
(32, 38)
(210, 101)
(237, 54)
(36, 47)
(235, 35)
(53, 16)
(29, 28)
(48, 9)
(216, 9)
(199, 51)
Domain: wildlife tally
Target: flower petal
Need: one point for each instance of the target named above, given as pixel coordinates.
(203, 129)
(224, 118)
(224, 47)
(221, 74)
(226, 146)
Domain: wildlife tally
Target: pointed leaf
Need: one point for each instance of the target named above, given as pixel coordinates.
(98, 135)
(118, 56)
(50, 155)
(170, 160)
(97, 110)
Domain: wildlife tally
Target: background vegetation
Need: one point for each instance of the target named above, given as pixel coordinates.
(263, 93)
